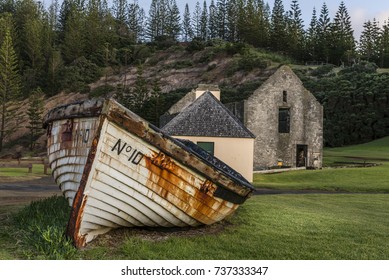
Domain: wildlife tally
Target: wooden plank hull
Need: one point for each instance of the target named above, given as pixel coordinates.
(68, 154)
(131, 174)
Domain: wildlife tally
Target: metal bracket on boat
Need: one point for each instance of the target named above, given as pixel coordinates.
(208, 187)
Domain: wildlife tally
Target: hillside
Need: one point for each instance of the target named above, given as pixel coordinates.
(355, 99)
(177, 72)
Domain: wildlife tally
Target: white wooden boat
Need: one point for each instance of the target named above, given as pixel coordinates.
(135, 175)
(70, 131)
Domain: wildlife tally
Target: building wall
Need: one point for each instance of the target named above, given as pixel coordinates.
(236, 152)
(306, 121)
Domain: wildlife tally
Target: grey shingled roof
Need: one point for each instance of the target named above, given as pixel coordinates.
(207, 116)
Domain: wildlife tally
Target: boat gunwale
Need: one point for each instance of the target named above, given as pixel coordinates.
(57, 113)
(150, 128)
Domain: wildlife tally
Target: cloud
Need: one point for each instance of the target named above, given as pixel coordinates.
(358, 17)
(383, 17)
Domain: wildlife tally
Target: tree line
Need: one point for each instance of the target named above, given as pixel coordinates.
(355, 101)
(65, 46)
(52, 43)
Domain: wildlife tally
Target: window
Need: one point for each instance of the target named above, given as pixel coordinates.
(283, 120)
(209, 147)
(284, 96)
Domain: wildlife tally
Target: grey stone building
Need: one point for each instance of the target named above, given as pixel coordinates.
(284, 117)
(287, 121)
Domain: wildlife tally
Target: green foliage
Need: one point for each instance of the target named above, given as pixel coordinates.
(323, 70)
(239, 93)
(10, 86)
(79, 74)
(196, 44)
(251, 60)
(39, 227)
(355, 104)
(35, 114)
(101, 91)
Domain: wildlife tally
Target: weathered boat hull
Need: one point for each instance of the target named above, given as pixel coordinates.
(71, 129)
(135, 175)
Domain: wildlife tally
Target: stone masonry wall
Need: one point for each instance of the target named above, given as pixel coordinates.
(306, 121)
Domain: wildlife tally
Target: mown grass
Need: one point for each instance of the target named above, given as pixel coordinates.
(286, 227)
(356, 179)
(37, 170)
(303, 226)
(310, 226)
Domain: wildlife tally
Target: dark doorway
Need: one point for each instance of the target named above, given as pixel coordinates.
(301, 155)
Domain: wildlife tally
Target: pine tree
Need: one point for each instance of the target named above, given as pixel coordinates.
(249, 22)
(9, 81)
(369, 46)
(384, 46)
(187, 30)
(136, 18)
(263, 25)
(230, 21)
(204, 22)
(173, 26)
(221, 6)
(312, 37)
(139, 95)
(35, 113)
(296, 33)
(153, 29)
(342, 37)
(196, 21)
(73, 22)
(212, 21)
(278, 30)
(324, 33)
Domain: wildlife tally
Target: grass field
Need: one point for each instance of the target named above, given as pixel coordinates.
(265, 227)
(356, 179)
(300, 226)
(37, 170)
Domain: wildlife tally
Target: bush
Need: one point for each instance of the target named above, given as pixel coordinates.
(361, 67)
(77, 75)
(101, 91)
(251, 60)
(196, 44)
(323, 70)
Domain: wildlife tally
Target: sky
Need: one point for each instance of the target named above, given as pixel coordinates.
(360, 11)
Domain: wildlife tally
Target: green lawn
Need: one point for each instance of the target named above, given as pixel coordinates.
(366, 179)
(37, 170)
(333, 226)
(300, 226)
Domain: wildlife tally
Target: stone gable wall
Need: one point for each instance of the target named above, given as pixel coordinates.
(306, 121)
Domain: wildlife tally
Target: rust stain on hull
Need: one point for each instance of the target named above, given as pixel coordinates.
(135, 175)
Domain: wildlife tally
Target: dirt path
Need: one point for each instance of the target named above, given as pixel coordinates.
(14, 191)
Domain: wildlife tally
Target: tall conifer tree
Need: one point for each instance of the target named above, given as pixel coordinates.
(278, 35)
(342, 37)
(9, 81)
(187, 31)
(324, 32)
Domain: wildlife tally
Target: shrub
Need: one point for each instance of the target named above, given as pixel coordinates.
(77, 75)
(323, 70)
(196, 44)
(101, 91)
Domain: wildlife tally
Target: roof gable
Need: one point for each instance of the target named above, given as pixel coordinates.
(207, 116)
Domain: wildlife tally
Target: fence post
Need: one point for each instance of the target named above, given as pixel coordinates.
(45, 165)
(30, 168)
